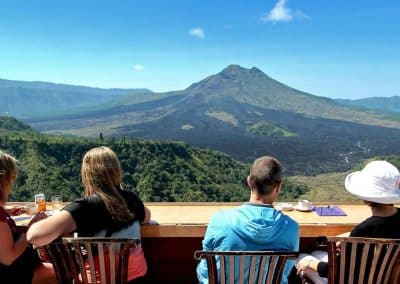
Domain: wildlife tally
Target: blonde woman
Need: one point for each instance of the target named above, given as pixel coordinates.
(105, 210)
(18, 261)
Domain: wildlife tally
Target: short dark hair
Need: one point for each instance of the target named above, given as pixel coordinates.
(265, 174)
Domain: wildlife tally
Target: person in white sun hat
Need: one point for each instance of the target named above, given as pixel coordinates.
(378, 185)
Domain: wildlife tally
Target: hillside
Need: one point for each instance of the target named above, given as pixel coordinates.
(387, 104)
(246, 114)
(156, 171)
(329, 187)
(37, 99)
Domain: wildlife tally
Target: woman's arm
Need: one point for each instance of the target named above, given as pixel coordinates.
(47, 230)
(16, 210)
(147, 215)
(10, 250)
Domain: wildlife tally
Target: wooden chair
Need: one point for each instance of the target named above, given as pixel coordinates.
(363, 260)
(87, 260)
(263, 266)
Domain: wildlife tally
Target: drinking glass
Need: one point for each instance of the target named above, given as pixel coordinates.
(57, 202)
(40, 202)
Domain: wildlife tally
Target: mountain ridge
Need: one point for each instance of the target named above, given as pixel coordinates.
(36, 99)
(387, 104)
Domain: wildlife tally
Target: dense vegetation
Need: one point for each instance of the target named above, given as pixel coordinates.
(266, 128)
(155, 171)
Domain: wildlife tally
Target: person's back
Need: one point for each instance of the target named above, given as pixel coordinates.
(256, 225)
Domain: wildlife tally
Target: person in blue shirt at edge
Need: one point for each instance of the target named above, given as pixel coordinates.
(255, 225)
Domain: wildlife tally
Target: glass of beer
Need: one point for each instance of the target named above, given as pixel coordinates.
(40, 202)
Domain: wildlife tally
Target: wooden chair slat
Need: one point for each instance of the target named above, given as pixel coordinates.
(376, 254)
(242, 266)
(222, 268)
(92, 266)
(343, 249)
(353, 258)
(252, 271)
(393, 261)
(212, 271)
(363, 266)
(261, 269)
(102, 265)
(81, 262)
(279, 269)
(232, 269)
(124, 259)
(271, 267)
(385, 262)
(69, 258)
(332, 260)
(113, 248)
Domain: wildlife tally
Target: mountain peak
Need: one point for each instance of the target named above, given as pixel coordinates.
(232, 75)
(235, 69)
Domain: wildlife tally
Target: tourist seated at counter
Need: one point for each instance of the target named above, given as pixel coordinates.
(378, 185)
(106, 210)
(255, 225)
(19, 263)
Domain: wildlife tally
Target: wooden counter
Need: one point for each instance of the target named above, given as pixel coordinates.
(190, 219)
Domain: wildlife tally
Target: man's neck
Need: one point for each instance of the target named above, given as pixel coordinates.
(257, 199)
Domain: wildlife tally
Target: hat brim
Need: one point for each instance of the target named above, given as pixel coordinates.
(357, 184)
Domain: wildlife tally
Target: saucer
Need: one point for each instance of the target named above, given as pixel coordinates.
(301, 208)
(284, 206)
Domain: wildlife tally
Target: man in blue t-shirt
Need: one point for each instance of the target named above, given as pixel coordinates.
(255, 225)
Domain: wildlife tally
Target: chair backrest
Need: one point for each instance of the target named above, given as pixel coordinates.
(91, 260)
(238, 267)
(363, 260)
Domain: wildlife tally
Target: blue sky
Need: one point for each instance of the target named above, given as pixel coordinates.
(333, 48)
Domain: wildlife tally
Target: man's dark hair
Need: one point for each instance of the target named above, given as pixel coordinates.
(265, 174)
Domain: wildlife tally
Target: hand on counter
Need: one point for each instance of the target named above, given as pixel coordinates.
(16, 210)
(37, 217)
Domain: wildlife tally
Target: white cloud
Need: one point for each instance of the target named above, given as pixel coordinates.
(138, 67)
(281, 13)
(197, 32)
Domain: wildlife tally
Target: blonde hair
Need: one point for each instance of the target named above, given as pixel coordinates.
(101, 175)
(8, 175)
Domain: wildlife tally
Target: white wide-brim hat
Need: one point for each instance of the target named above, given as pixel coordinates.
(378, 182)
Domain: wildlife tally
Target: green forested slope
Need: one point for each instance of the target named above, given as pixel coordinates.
(156, 171)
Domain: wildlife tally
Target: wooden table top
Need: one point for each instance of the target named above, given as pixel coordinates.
(200, 214)
(191, 219)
